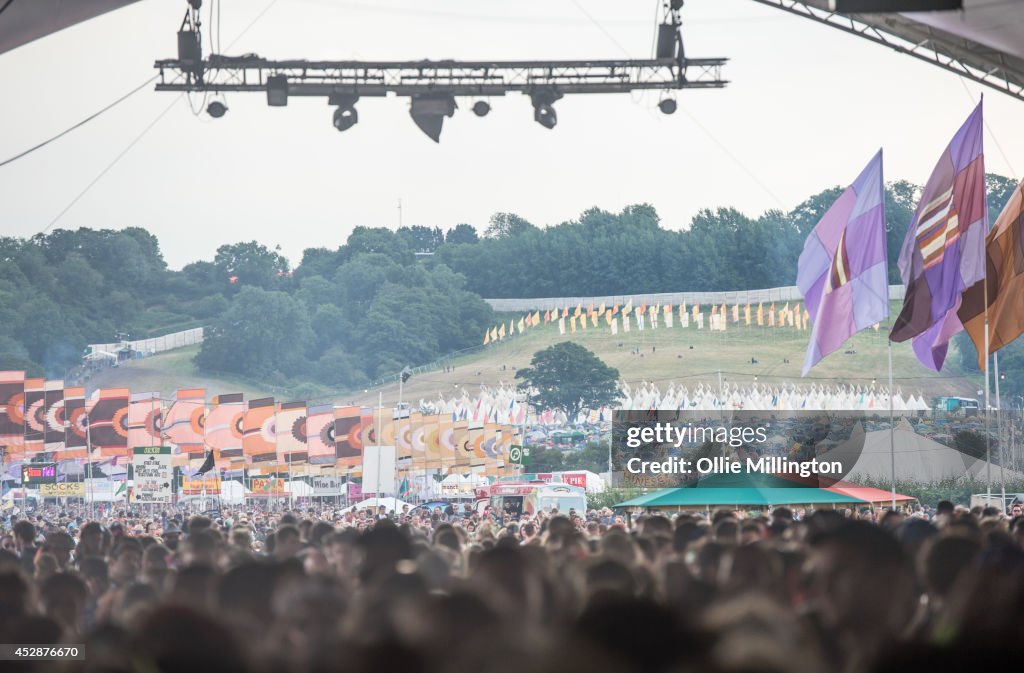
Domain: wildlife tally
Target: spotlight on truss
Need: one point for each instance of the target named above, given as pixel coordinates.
(429, 111)
(481, 108)
(277, 91)
(345, 118)
(216, 109)
(545, 115)
(667, 106)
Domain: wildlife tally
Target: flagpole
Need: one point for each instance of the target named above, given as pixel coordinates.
(988, 443)
(88, 458)
(892, 420)
(999, 432)
(380, 413)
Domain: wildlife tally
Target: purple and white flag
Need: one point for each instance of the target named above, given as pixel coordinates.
(944, 251)
(842, 273)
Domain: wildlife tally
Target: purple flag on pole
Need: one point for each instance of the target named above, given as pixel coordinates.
(944, 251)
(842, 273)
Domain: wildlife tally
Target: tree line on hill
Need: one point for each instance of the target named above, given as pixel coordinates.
(384, 299)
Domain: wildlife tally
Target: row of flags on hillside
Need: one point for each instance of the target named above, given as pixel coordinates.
(957, 273)
(716, 318)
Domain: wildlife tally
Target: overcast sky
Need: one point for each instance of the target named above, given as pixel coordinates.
(807, 106)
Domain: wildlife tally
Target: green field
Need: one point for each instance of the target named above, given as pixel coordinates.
(685, 356)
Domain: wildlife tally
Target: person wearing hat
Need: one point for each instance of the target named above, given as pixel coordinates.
(172, 535)
(116, 533)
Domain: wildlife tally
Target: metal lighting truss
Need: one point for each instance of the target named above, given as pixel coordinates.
(454, 78)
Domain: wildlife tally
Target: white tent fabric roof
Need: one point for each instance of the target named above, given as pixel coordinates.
(391, 504)
(918, 458)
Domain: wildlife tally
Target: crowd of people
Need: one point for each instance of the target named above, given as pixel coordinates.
(445, 591)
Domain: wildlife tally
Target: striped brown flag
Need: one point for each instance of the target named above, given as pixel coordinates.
(1004, 252)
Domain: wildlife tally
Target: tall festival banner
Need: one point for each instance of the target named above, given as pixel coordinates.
(53, 414)
(153, 473)
(76, 421)
(259, 436)
(320, 440)
(460, 434)
(291, 433)
(432, 436)
(108, 422)
(418, 441)
(224, 428)
(446, 438)
(348, 436)
(402, 434)
(35, 416)
(474, 447)
(12, 416)
(145, 415)
(185, 425)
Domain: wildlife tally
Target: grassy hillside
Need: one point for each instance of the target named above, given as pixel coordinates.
(686, 356)
(170, 371)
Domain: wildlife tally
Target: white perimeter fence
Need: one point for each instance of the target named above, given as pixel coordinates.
(776, 294)
(155, 345)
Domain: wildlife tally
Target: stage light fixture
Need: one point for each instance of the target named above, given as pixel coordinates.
(277, 91)
(345, 118)
(543, 107)
(667, 106)
(481, 108)
(429, 112)
(545, 115)
(216, 109)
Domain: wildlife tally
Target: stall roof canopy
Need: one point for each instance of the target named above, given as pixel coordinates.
(741, 489)
(759, 490)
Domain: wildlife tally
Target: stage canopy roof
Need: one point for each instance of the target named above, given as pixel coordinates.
(764, 490)
(23, 21)
(984, 41)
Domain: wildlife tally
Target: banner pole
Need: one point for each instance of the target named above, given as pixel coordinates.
(88, 460)
(988, 442)
(999, 433)
(380, 415)
(892, 424)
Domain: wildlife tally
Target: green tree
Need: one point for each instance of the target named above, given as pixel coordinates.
(262, 334)
(504, 225)
(422, 239)
(462, 234)
(569, 377)
(250, 264)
